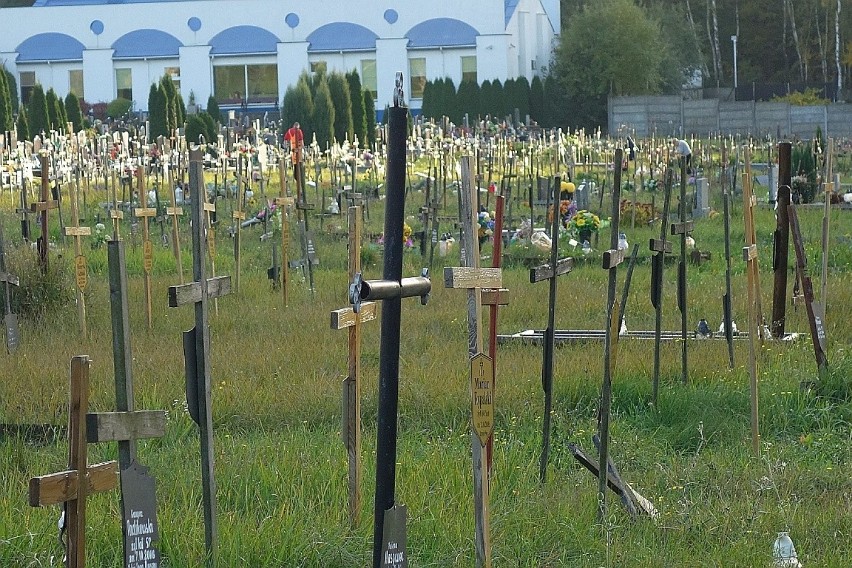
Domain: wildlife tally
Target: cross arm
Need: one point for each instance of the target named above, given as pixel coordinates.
(749, 253)
(144, 212)
(612, 258)
(114, 426)
(10, 278)
(659, 245)
(190, 293)
(681, 228)
(345, 317)
(465, 277)
(40, 206)
(78, 231)
(60, 487)
(495, 297)
(546, 272)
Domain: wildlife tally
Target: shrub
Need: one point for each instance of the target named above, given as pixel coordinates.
(72, 107)
(40, 295)
(118, 108)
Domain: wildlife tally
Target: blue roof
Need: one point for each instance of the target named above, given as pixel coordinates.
(146, 43)
(510, 6)
(341, 36)
(441, 32)
(243, 39)
(49, 3)
(50, 46)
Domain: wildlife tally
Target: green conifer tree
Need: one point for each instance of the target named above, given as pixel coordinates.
(428, 101)
(170, 94)
(12, 85)
(322, 119)
(370, 116)
(338, 87)
(51, 100)
(213, 109)
(298, 106)
(359, 118)
(537, 100)
(181, 109)
(63, 114)
(72, 108)
(23, 126)
(39, 121)
(157, 112)
(467, 101)
(6, 119)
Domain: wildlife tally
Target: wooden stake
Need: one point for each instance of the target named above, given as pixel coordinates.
(753, 286)
(42, 207)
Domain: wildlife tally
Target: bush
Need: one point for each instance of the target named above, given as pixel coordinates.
(40, 295)
(118, 108)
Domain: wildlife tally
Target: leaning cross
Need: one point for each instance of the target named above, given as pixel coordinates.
(42, 207)
(473, 278)
(347, 318)
(11, 319)
(197, 347)
(682, 228)
(815, 310)
(71, 487)
(80, 269)
(659, 248)
(611, 259)
(755, 315)
(556, 267)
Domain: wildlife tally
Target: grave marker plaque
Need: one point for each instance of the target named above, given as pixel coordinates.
(482, 401)
(394, 553)
(139, 507)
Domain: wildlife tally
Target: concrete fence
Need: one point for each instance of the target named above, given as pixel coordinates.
(676, 116)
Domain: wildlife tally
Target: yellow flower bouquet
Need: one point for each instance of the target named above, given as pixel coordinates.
(584, 221)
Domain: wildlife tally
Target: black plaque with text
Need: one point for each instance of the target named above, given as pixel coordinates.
(139, 521)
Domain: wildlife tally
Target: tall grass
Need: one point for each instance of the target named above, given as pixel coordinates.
(281, 467)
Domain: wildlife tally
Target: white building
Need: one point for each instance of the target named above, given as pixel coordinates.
(255, 49)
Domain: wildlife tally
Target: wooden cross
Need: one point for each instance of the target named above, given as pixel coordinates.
(550, 272)
(781, 241)
(10, 320)
(611, 259)
(71, 487)
(146, 213)
(473, 278)
(727, 301)
(115, 213)
(238, 216)
(42, 207)
(282, 201)
(348, 318)
(659, 248)
(815, 310)
(755, 315)
(80, 268)
(174, 212)
(197, 346)
(682, 228)
(23, 210)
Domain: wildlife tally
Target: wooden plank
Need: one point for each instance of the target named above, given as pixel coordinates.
(749, 253)
(238, 215)
(469, 277)
(78, 231)
(114, 426)
(545, 272)
(211, 207)
(681, 228)
(345, 317)
(495, 297)
(285, 201)
(116, 214)
(174, 211)
(144, 212)
(10, 278)
(659, 245)
(191, 293)
(612, 258)
(61, 487)
(40, 206)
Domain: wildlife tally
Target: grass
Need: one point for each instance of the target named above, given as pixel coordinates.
(281, 467)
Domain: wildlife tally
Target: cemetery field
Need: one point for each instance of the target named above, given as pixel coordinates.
(281, 467)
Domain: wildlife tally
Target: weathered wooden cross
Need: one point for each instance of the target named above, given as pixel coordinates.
(42, 207)
(348, 318)
(682, 228)
(659, 248)
(473, 278)
(196, 344)
(727, 300)
(81, 270)
(551, 271)
(10, 320)
(281, 203)
(755, 315)
(146, 213)
(125, 426)
(781, 241)
(71, 487)
(174, 212)
(238, 215)
(815, 310)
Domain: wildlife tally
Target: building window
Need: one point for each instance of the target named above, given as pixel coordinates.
(235, 84)
(369, 79)
(468, 68)
(174, 73)
(319, 67)
(27, 82)
(124, 84)
(417, 72)
(75, 82)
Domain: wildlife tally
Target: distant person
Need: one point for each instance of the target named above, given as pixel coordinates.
(295, 139)
(682, 149)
